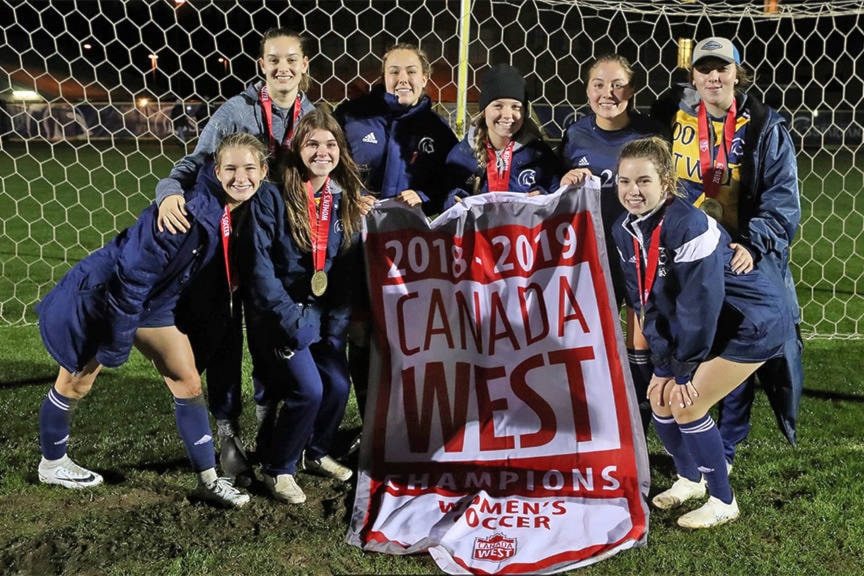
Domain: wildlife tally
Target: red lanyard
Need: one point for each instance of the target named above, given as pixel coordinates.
(267, 106)
(225, 225)
(319, 222)
(650, 267)
(498, 180)
(712, 172)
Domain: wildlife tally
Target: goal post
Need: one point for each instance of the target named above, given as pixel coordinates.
(90, 94)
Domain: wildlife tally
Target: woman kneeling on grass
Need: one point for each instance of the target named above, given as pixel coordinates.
(125, 294)
(707, 326)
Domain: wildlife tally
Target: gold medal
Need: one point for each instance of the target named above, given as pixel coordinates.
(712, 208)
(319, 282)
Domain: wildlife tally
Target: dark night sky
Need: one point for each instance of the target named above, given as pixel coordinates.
(190, 38)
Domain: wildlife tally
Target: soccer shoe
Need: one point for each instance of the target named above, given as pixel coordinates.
(67, 473)
(680, 492)
(234, 463)
(713, 513)
(355, 445)
(284, 488)
(328, 467)
(220, 491)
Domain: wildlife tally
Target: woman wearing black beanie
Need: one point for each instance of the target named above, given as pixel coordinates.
(503, 150)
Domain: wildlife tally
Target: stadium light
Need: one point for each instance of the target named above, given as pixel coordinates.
(153, 58)
(25, 95)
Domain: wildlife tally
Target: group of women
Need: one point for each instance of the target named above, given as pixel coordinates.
(708, 292)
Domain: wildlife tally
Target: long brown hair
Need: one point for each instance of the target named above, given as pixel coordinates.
(296, 175)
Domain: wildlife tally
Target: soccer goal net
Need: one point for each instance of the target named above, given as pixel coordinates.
(99, 99)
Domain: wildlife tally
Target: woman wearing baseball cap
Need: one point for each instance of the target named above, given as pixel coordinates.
(746, 178)
(503, 150)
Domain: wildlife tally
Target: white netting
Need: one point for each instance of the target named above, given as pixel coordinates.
(80, 158)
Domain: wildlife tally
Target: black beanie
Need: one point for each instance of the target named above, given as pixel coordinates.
(502, 81)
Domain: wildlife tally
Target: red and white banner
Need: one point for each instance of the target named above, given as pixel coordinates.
(501, 432)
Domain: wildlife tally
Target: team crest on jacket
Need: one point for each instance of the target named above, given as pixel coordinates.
(495, 548)
(426, 145)
(527, 178)
(662, 260)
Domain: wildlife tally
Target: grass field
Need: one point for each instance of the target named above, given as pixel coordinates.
(801, 507)
(59, 202)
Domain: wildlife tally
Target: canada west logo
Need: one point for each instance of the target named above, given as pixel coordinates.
(496, 548)
(527, 178)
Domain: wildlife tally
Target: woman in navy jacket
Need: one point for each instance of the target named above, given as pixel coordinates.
(399, 144)
(735, 159)
(590, 146)
(397, 140)
(503, 150)
(708, 326)
(125, 294)
(305, 261)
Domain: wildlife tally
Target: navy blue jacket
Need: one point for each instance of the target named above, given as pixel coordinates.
(97, 306)
(768, 203)
(698, 307)
(398, 148)
(280, 306)
(534, 167)
(586, 145)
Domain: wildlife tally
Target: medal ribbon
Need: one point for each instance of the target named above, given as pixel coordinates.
(712, 171)
(650, 267)
(225, 226)
(226, 240)
(498, 177)
(267, 107)
(319, 222)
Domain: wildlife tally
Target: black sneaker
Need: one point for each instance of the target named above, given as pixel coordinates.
(355, 445)
(234, 463)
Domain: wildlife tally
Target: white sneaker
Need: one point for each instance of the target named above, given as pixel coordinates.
(67, 473)
(328, 467)
(220, 491)
(680, 492)
(284, 488)
(713, 513)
